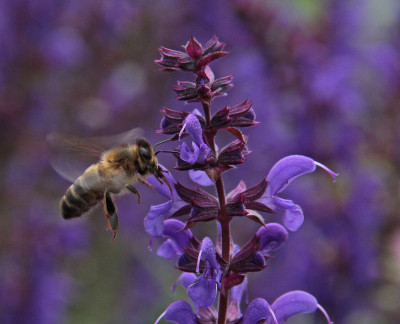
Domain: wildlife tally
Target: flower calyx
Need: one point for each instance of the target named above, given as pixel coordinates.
(195, 57)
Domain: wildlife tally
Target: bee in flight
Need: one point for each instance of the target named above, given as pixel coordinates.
(117, 170)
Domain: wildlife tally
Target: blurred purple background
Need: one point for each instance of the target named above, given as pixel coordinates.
(324, 77)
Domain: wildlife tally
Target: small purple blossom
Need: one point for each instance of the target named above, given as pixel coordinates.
(154, 221)
(179, 312)
(279, 177)
(178, 239)
(199, 151)
(285, 306)
(204, 290)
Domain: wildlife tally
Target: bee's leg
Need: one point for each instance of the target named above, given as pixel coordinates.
(111, 214)
(134, 191)
(145, 183)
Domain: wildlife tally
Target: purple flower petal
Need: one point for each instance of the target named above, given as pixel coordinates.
(280, 176)
(288, 169)
(193, 127)
(163, 188)
(188, 155)
(273, 236)
(292, 303)
(237, 291)
(186, 278)
(179, 312)
(173, 229)
(203, 291)
(200, 150)
(257, 310)
(154, 221)
(293, 216)
(200, 177)
(235, 300)
(168, 250)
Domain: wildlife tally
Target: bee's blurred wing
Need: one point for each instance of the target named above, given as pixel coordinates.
(70, 155)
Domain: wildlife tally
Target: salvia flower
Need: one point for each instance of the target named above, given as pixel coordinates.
(177, 239)
(179, 312)
(284, 307)
(199, 152)
(264, 196)
(279, 177)
(253, 255)
(210, 270)
(203, 291)
(154, 221)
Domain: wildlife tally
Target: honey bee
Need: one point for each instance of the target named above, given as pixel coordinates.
(116, 171)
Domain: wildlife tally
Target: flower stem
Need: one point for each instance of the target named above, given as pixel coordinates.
(226, 240)
(224, 220)
(223, 307)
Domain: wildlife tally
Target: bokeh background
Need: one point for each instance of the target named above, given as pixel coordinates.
(324, 77)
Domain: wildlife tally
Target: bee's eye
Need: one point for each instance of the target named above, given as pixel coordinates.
(145, 153)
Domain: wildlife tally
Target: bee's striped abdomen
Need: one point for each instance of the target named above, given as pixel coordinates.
(78, 199)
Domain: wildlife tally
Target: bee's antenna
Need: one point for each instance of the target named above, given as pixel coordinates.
(166, 151)
(173, 138)
(162, 142)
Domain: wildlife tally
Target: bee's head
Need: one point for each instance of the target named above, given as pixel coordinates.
(147, 161)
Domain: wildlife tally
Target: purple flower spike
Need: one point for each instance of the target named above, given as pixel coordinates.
(258, 310)
(179, 312)
(272, 236)
(199, 151)
(280, 176)
(204, 290)
(295, 302)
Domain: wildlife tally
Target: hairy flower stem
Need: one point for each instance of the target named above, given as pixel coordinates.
(224, 219)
